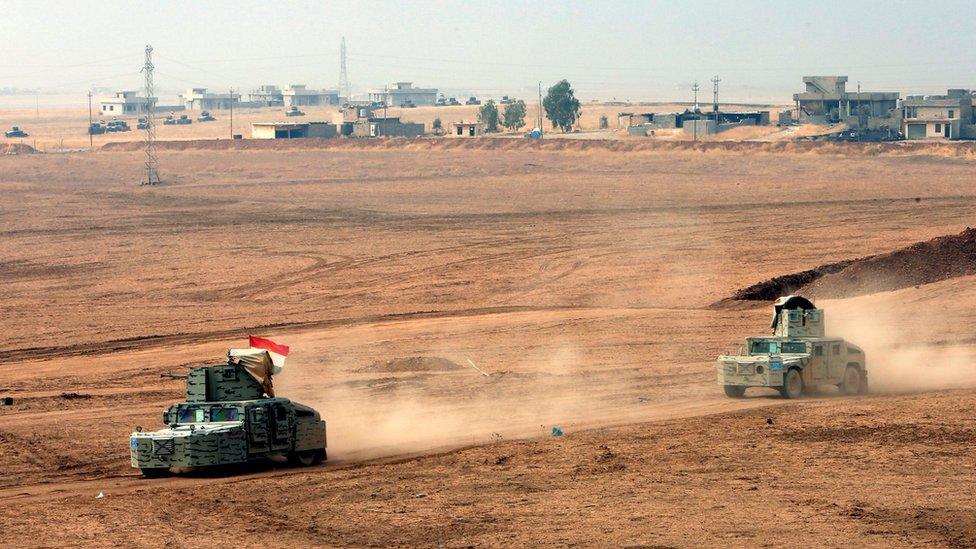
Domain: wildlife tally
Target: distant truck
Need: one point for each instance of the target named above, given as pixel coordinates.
(293, 111)
(15, 131)
(798, 356)
(205, 116)
(228, 418)
(473, 101)
(183, 120)
(142, 124)
(96, 128)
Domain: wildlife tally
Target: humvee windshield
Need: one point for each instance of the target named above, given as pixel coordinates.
(190, 415)
(797, 347)
(764, 346)
(200, 415)
(220, 413)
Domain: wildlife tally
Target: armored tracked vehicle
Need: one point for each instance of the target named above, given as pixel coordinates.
(796, 357)
(229, 417)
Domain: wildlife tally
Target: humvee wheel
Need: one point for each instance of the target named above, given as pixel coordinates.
(792, 384)
(735, 391)
(852, 382)
(155, 472)
(303, 458)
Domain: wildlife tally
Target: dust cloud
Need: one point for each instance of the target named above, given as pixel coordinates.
(905, 345)
(403, 412)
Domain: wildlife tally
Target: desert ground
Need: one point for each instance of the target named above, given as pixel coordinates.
(590, 284)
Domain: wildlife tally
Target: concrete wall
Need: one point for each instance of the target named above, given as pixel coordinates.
(701, 127)
(263, 132)
(325, 130)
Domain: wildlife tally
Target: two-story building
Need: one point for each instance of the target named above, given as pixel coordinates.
(403, 93)
(199, 99)
(124, 103)
(827, 101)
(298, 95)
(948, 116)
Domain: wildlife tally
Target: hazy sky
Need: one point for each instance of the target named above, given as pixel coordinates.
(623, 49)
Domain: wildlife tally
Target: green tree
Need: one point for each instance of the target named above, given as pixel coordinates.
(562, 107)
(514, 116)
(488, 115)
(437, 126)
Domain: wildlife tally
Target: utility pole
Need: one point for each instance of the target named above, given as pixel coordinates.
(232, 114)
(152, 162)
(343, 76)
(695, 87)
(715, 81)
(91, 143)
(540, 108)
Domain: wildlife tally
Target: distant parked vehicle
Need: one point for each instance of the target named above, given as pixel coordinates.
(143, 124)
(504, 100)
(96, 128)
(293, 111)
(183, 120)
(453, 102)
(117, 126)
(169, 120)
(407, 105)
(205, 116)
(473, 101)
(15, 132)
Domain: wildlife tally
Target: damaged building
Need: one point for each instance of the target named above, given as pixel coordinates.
(827, 101)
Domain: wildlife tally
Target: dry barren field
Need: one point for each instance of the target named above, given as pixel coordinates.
(588, 283)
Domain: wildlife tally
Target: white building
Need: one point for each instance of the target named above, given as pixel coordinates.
(198, 99)
(297, 95)
(400, 93)
(124, 103)
(947, 116)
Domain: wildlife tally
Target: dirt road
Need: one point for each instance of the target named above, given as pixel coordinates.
(581, 281)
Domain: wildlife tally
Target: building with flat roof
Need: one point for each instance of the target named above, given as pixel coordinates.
(199, 99)
(380, 126)
(467, 129)
(293, 130)
(403, 93)
(827, 101)
(948, 116)
(298, 95)
(268, 95)
(124, 102)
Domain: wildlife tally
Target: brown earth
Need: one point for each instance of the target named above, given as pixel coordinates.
(578, 279)
(935, 260)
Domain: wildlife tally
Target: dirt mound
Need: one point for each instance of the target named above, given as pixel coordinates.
(913, 148)
(787, 284)
(16, 148)
(938, 259)
(413, 364)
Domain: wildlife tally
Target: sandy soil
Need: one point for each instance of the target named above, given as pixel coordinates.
(580, 280)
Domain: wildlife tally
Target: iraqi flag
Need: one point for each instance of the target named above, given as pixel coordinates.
(259, 345)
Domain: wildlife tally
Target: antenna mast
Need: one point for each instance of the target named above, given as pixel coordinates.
(343, 76)
(152, 162)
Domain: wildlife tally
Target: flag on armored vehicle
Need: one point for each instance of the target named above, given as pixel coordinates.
(261, 360)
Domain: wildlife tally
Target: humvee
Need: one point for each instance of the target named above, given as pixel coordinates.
(796, 357)
(228, 418)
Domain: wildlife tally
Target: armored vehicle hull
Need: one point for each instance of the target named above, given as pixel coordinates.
(227, 419)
